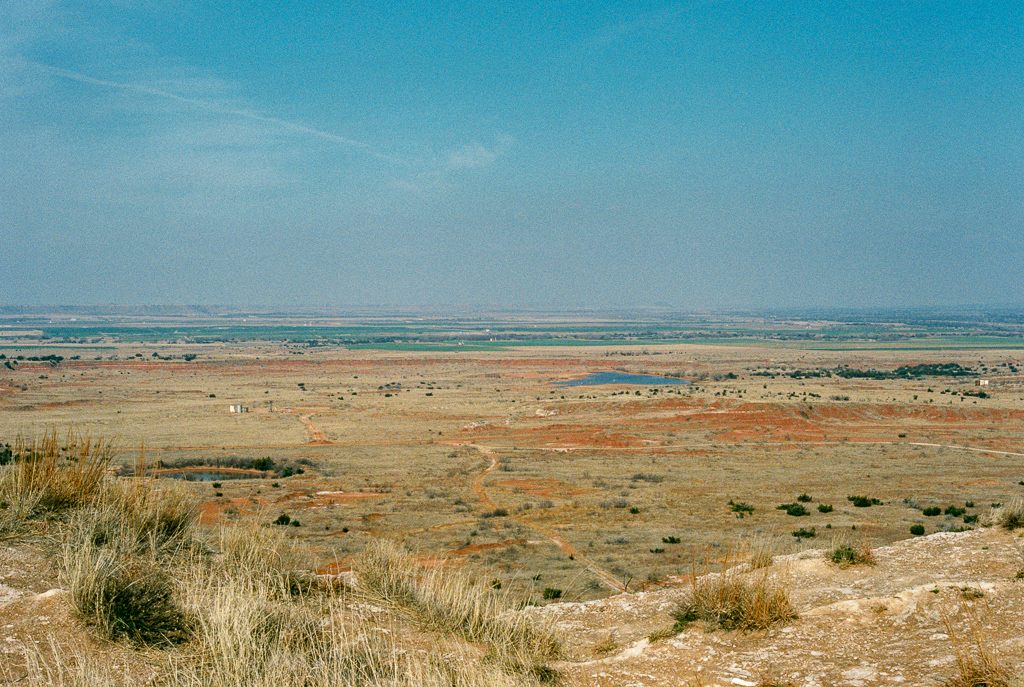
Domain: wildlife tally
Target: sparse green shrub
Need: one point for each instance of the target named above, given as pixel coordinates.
(917, 530)
(932, 511)
(283, 519)
(969, 504)
(804, 498)
(822, 508)
(647, 477)
(551, 593)
(794, 509)
(845, 555)
(954, 511)
(740, 507)
(968, 519)
(657, 550)
(496, 513)
(804, 533)
(634, 510)
(670, 540)
(863, 501)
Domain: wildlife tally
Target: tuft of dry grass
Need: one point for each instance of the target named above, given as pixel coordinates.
(56, 474)
(762, 552)
(250, 636)
(15, 509)
(977, 663)
(114, 559)
(447, 602)
(730, 600)
(63, 665)
(125, 597)
(262, 553)
(844, 555)
(1009, 516)
(136, 516)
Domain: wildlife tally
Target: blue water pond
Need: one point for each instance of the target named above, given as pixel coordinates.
(598, 378)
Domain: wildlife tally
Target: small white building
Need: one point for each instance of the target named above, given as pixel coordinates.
(980, 382)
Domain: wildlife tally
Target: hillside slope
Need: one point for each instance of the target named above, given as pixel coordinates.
(900, 621)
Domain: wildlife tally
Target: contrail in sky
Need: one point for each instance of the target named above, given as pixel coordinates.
(213, 107)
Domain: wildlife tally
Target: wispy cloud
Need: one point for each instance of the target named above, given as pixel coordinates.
(646, 21)
(220, 109)
(477, 155)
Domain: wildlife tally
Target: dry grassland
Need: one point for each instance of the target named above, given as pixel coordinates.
(481, 460)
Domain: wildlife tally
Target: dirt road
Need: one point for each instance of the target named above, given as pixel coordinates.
(568, 549)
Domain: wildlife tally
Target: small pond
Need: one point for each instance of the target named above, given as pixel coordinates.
(208, 475)
(598, 378)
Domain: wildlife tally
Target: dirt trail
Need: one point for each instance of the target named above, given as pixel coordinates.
(566, 548)
(316, 434)
(478, 481)
(968, 448)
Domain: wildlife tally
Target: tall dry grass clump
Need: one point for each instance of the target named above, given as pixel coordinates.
(55, 474)
(762, 550)
(730, 600)
(137, 516)
(249, 634)
(1009, 516)
(125, 597)
(117, 556)
(62, 665)
(447, 602)
(266, 554)
(977, 663)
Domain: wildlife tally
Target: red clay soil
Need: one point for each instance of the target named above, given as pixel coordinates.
(730, 420)
(213, 512)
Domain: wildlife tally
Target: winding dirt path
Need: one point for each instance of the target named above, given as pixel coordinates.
(315, 433)
(968, 448)
(568, 549)
(478, 481)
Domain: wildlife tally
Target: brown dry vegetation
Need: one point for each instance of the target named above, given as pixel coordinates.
(247, 609)
(593, 489)
(573, 462)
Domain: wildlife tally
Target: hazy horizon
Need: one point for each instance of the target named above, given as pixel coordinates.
(696, 156)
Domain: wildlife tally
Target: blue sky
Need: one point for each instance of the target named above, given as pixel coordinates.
(697, 155)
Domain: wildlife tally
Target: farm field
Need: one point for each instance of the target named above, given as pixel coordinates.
(478, 457)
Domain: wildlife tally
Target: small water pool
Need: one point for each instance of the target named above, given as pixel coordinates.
(209, 475)
(599, 378)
